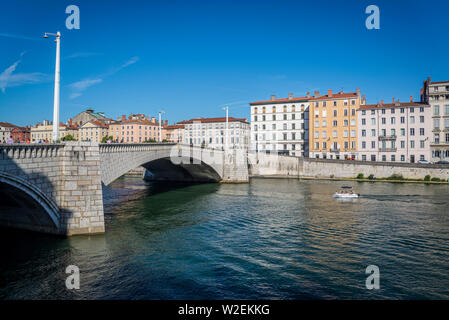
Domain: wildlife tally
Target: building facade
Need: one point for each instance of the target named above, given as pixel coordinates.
(5, 131)
(135, 131)
(281, 125)
(21, 135)
(93, 131)
(43, 132)
(333, 125)
(174, 133)
(394, 132)
(211, 132)
(436, 94)
(89, 115)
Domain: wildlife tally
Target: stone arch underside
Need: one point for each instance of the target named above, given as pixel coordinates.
(160, 167)
(24, 206)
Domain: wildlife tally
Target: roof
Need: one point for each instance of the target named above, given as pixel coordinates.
(338, 95)
(393, 105)
(7, 124)
(175, 126)
(97, 123)
(438, 82)
(136, 121)
(212, 120)
(297, 99)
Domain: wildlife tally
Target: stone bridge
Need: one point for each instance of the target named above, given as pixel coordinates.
(57, 188)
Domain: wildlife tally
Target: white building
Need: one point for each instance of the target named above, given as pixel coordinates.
(394, 132)
(281, 125)
(211, 132)
(437, 95)
(5, 131)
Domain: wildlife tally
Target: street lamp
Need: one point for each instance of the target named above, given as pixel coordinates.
(56, 97)
(226, 130)
(160, 125)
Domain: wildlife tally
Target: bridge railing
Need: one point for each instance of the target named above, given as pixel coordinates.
(24, 151)
(123, 147)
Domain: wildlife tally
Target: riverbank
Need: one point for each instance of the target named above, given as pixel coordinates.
(344, 179)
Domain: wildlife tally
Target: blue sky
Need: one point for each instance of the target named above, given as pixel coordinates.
(190, 58)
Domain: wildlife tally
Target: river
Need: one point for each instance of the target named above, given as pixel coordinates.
(269, 239)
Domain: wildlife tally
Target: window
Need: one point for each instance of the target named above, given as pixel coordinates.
(352, 133)
(393, 158)
(436, 123)
(363, 145)
(363, 121)
(373, 132)
(412, 144)
(421, 119)
(384, 120)
(384, 158)
(436, 110)
(412, 131)
(324, 134)
(421, 131)
(393, 120)
(335, 113)
(373, 121)
(345, 133)
(363, 133)
(402, 158)
(373, 144)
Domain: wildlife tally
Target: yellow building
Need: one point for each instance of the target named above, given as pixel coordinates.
(43, 132)
(93, 131)
(333, 125)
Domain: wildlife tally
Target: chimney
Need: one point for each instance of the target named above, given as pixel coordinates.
(317, 93)
(123, 117)
(290, 96)
(358, 92)
(308, 94)
(382, 101)
(393, 100)
(341, 91)
(153, 119)
(329, 93)
(166, 122)
(273, 97)
(411, 98)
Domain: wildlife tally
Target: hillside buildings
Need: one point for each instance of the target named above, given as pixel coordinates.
(281, 125)
(211, 132)
(21, 134)
(394, 132)
(43, 132)
(333, 125)
(93, 131)
(436, 94)
(175, 133)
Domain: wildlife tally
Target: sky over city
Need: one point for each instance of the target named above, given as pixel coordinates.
(190, 58)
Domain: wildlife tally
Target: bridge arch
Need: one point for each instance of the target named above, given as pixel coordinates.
(37, 211)
(194, 163)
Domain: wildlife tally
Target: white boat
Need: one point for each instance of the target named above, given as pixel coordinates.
(346, 195)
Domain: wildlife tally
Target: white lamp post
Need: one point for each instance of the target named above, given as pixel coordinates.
(160, 125)
(56, 98)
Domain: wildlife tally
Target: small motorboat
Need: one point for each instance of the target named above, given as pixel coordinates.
(346, 193)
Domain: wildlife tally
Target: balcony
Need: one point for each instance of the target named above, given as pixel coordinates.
(384, 138)
(439, 143)
(336, 150)
(387, 149)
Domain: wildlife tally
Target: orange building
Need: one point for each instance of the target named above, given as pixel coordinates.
(333, 125)
(135, 130)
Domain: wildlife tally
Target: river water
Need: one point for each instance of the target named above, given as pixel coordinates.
(269, 239)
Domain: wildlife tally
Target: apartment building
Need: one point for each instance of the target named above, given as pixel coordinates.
(174, 133)
(436, 94)
(135, 130)
(93, 131)
(281, 125)
(333, 124)
(21, 134)
(5, 131)
(394, 132)
(211, 132)
(43, 132)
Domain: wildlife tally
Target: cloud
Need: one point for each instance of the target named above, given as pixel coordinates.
(83, 55)
(17, 36)
(79, 87)
(84, 84)
(9, 79)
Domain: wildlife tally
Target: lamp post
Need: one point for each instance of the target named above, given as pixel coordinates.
(56, 97)
(226, 130)
(160, 125)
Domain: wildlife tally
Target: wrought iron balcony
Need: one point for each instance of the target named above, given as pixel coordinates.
(391, 137)
(387, 149)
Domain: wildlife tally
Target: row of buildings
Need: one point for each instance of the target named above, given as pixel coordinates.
(336, 125)
(342, 126)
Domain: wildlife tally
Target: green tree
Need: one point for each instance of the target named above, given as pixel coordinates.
(106, 138)
(69, 137)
